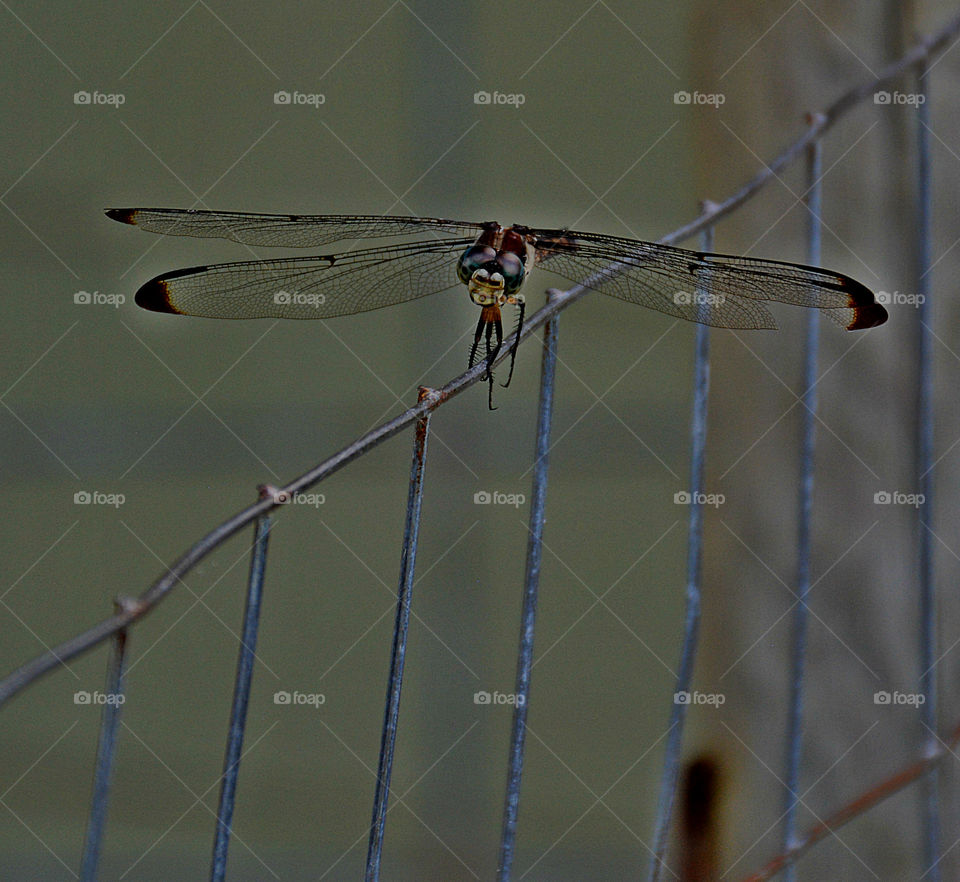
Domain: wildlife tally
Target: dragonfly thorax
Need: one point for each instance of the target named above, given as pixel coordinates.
(491, 276)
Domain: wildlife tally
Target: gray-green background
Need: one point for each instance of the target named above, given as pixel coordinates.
(186, 416)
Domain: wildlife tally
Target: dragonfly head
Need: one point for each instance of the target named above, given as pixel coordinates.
(490, 276)
(486, 288)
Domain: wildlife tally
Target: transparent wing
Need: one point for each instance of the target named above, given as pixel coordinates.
(289, 230)
(725, 291)
(308, 287)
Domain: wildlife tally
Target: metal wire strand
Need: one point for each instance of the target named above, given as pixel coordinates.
(538, 501)
(801, 614)
(243, 681)
(925, 416)
(391, 714)
(691, 624)
(106, 750)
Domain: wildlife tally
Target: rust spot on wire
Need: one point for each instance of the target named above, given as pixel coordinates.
(424, 393)
(269, 491)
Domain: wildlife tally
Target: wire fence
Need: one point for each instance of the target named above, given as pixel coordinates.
(116, 628)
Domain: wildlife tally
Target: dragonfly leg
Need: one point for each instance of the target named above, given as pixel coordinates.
(476, 342)
(492, 353)
(519, 327)
(488, 325)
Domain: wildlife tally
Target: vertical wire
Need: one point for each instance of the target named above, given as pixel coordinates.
(246, 657)
(688, 652)
(106, 751)
(538, 501)
(801, 614)
(928, 632)
(391, 715)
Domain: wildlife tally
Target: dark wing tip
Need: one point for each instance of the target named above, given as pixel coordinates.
(124, 215)
(867, 317)
(867, 313)
(155, 296)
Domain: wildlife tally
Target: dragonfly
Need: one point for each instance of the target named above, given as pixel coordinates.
(491, 260)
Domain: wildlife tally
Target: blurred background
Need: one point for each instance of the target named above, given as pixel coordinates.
(184, 417)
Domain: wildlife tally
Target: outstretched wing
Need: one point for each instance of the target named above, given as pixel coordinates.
(308, 287)
(725, 291)
(287, 230)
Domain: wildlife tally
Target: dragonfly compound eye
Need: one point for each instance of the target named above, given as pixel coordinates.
(512, 268)
(472, 259)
